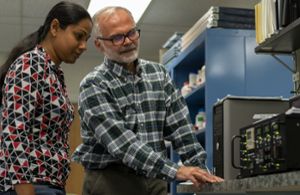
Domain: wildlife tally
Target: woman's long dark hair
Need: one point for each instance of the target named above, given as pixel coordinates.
(67, 13)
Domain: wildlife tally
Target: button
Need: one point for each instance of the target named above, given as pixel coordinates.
(217, 146)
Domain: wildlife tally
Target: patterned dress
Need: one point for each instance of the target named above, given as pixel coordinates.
(36, 116)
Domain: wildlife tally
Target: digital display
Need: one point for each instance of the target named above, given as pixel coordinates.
(250, 144)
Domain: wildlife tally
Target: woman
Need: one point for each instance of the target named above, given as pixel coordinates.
(36, 111)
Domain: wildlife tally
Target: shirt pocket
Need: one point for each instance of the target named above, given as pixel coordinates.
(130, 119)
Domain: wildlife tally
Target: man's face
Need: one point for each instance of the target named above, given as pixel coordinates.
(125, 53)
(114, 26)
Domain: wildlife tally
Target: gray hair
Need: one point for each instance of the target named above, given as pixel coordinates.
(108, 11)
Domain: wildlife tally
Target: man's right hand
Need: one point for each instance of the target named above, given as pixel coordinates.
(196, 175)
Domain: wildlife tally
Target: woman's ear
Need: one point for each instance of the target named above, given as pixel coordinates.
(54, 27)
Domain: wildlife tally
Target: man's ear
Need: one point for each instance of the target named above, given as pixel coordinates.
(54, 27)
(98, 45)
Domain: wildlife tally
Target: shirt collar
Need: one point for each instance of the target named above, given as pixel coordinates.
(119, 69)
(40, 49)
(56, 68)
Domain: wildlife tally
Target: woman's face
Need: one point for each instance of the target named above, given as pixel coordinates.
(71, 42)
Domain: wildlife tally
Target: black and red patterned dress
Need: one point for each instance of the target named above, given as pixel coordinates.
(36, 116)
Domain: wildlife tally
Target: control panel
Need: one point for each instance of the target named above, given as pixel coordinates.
(270, 146)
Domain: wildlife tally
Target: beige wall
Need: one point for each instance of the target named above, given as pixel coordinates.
(2, 57)
(75, 180)
(74, 73)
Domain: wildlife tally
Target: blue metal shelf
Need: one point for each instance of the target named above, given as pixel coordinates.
(196, 100)
(232, 67)
(191, 54)
(197, 96)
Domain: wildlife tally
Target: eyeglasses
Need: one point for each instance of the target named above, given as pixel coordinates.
(119, 39)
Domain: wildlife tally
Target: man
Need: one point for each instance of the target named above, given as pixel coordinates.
(128, 108)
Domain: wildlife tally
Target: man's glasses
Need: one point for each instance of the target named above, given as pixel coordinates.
(119, 39)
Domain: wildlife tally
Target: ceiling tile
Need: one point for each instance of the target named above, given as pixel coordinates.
(10, 8)
(40, 8)
(9, 20)
(10, 35)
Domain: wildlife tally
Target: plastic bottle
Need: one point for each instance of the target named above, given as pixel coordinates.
(186, 89)
(203, 74)
(192, 80)
(200, 120)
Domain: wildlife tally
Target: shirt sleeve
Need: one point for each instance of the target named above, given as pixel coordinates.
(20, 98)
(101, 114)
(179, 127)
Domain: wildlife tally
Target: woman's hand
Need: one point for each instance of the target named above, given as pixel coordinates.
(25, 189)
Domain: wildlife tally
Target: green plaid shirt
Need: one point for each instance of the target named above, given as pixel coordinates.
(127, 118)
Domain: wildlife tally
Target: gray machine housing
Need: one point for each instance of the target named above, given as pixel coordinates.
(229, 115)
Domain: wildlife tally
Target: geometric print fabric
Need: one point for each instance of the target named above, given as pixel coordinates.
(36, 116)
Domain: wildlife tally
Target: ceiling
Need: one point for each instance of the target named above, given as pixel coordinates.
(162, 18)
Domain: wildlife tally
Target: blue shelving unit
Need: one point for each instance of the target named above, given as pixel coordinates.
(232, 67)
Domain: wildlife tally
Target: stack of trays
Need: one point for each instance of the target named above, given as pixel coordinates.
(173, 46)
(220, 17)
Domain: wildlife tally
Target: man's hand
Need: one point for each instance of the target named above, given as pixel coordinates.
(196, 175)
(25, 189)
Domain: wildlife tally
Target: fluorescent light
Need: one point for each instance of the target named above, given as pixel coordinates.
(136, 7)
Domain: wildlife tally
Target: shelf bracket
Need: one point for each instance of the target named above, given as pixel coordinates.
(293, 70)
(296, 76)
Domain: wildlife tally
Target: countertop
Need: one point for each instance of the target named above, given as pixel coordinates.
(289, 181)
